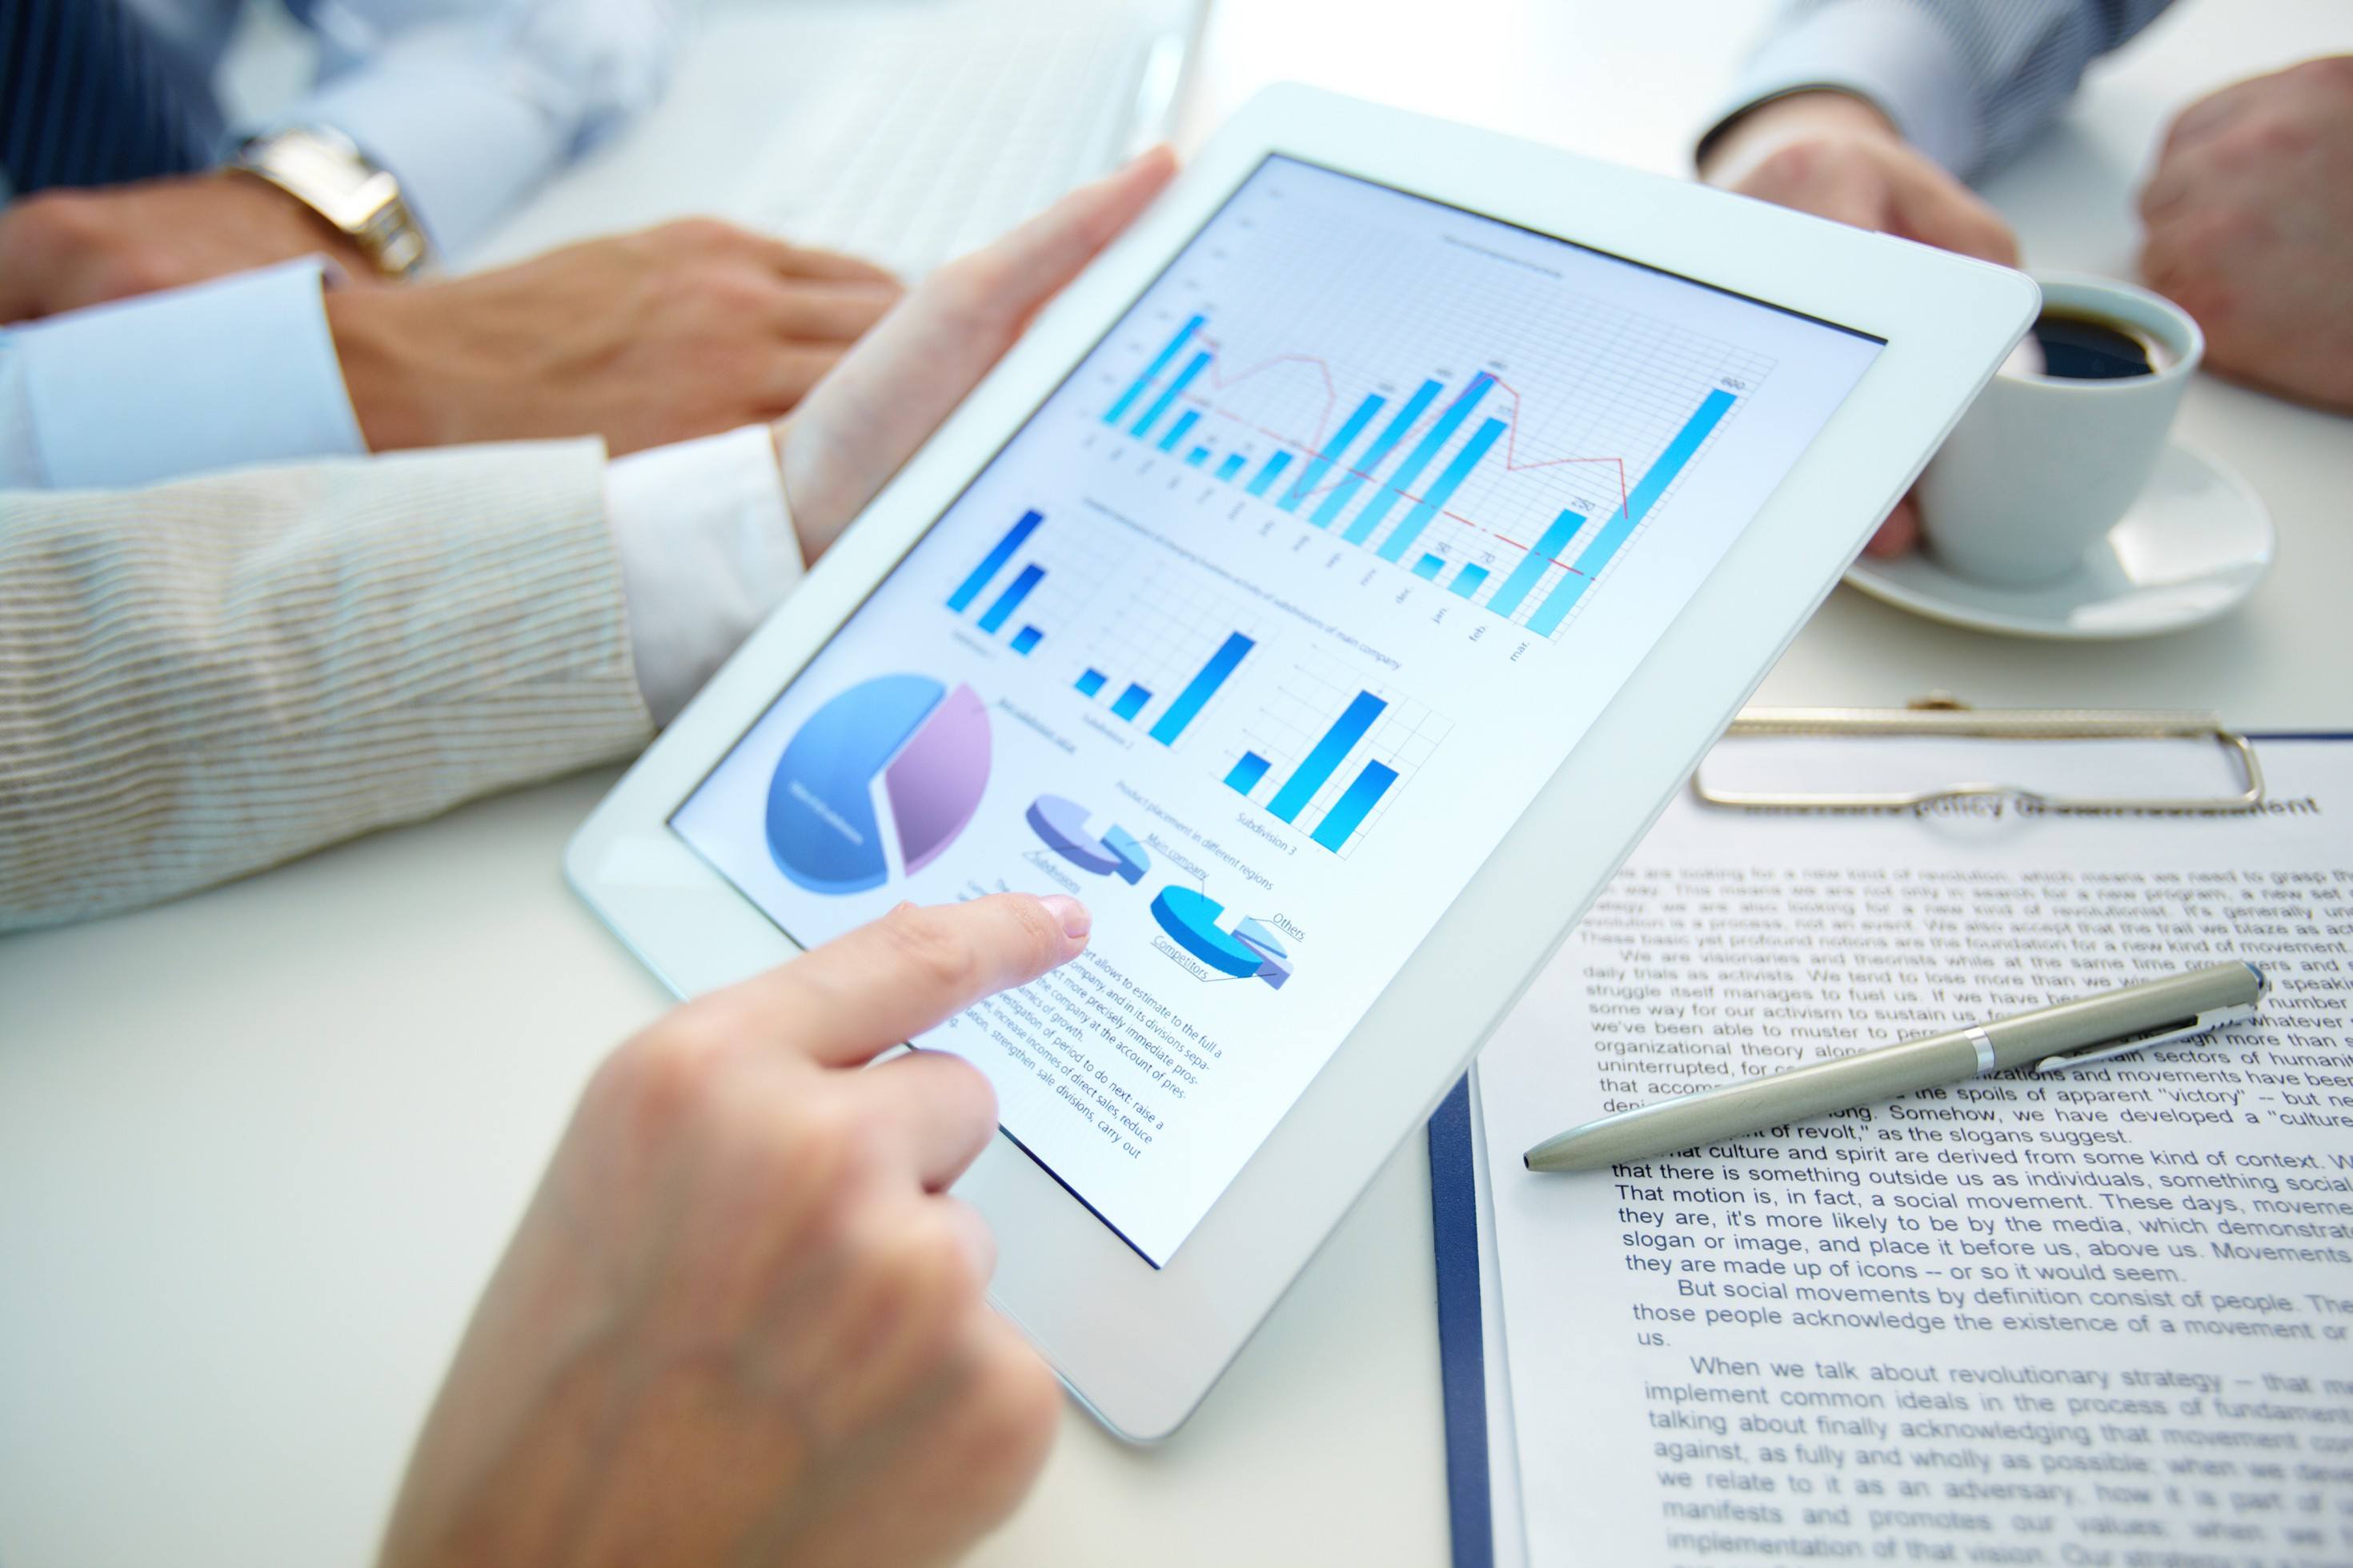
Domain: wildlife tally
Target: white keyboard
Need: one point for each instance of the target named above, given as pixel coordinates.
(924, 131)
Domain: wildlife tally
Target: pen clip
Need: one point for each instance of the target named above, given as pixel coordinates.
(2205, 1023)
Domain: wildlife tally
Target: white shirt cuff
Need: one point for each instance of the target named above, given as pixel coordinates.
(236, 371)
(1889, 52)
(707, 550)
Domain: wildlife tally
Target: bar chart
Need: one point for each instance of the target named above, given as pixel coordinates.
(1204, 686)
(1324, 755)
(1260, 632)
(984, 577)
(1396, 472)
(1033, 589)
(1164, 657)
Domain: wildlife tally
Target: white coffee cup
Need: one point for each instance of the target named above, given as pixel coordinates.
(2041, 466)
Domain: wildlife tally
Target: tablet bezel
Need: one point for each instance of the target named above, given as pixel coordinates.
(1139, 1346)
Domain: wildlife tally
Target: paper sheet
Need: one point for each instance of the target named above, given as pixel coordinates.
(2100, 1317)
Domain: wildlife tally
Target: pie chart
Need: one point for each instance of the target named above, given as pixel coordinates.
(1250, 951)
(1277, 967)
(1062, 823)
(904, 756)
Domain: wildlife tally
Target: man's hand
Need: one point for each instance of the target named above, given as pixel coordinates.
(1834, 155)
(2250, 217)
(645, 339)
(60, 251)
(891, 391)
(742, 1321)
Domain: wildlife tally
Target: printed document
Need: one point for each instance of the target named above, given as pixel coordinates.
(2099, 1316)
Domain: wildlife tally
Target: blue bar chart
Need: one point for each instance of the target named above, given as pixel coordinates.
(1173, 390)
(1167, 654)
(1401, 539)
(1196, 693)
(1269, 473)
(1394, 489)
(1654, 483)
(1334, 744)
(1314, 748)
(1375, 455)
(994, 562)
(1184, 422)
(1405, 509)
(1363, 794)
(1347, 815)
(1532, 569)
(1263, 615)
(1137, 388)
(1321, 463)
(997, 616)
(1201, 688)
(1028, 577)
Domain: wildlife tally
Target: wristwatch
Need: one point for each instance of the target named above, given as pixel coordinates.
(322, 169)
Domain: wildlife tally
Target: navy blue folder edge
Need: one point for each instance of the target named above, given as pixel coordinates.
(1461, 1350)
(1462, 1332)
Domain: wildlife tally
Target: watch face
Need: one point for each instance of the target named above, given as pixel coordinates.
(334, 179)
(322, 168)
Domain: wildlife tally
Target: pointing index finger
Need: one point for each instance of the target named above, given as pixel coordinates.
(843, 1003)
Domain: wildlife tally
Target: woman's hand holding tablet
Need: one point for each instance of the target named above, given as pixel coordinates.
(886, 396)
(1328, 588)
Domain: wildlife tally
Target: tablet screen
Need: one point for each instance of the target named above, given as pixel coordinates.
(1259, 636)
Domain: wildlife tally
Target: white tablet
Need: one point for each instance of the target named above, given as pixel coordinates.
(1329, 588)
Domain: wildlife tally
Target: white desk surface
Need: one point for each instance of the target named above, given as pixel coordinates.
(259, 1148)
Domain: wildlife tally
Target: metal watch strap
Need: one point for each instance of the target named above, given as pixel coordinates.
(383, 229)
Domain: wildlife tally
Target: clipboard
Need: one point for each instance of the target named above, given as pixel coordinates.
(1462, 1253)
(1940, 714)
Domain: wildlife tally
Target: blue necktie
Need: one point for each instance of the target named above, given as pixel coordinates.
(88, 97)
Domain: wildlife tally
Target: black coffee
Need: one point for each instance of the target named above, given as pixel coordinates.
(2085, 348)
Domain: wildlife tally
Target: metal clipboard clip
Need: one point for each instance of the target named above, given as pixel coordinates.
(1942, 714)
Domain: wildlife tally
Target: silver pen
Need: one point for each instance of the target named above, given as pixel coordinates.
(2067, 1034)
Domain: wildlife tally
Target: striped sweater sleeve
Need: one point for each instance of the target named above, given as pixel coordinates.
(204, 678)
(1969, 82)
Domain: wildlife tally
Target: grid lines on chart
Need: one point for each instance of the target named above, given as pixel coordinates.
(1575, 419)
(1158, 636)
(1299, 708)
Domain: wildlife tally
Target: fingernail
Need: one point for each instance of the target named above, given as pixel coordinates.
(1076, 921)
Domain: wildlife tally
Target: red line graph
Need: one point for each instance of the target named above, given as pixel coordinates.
(1220, 384)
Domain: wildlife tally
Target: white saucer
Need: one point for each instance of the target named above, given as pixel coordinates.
(2196, 543)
